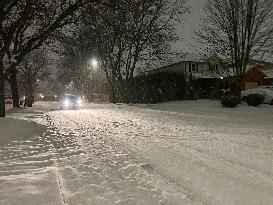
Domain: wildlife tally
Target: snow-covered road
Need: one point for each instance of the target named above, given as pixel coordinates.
(175, 153)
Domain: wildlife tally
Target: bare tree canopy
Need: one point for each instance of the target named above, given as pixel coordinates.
(32, 70)
(24, 26)
(239, 30)
(127, 33)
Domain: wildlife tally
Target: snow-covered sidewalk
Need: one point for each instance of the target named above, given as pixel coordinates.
(24, 177)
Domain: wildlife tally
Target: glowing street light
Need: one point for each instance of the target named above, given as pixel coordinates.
(94, 63)
(42, 96)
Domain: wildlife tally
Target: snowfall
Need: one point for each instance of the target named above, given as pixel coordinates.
(176, 153)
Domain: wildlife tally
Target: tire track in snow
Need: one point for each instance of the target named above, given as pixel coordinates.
(58, 158)
(177, 187)
(219, 158)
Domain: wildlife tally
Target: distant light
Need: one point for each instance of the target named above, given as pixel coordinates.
(41, 96)
(94, 63)
(66, 103)
(221, 77)
(79, 102)
(55, 96)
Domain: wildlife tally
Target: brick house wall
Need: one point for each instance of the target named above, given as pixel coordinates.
(253, 78)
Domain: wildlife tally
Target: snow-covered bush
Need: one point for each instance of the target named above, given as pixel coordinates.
(230, 101)
(254, 99)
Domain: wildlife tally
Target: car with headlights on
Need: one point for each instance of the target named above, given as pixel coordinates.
(70, 102)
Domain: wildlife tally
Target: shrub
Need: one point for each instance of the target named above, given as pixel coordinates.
(230, 101)
(254, 99)
(157, 87)
(214, 94)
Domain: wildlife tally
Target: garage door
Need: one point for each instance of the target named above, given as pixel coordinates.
(250, 85)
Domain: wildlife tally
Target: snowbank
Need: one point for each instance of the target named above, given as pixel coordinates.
(15, 129)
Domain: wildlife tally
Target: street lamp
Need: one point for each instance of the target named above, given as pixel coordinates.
(94, 63)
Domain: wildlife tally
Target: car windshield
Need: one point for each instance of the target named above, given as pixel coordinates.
(70, 97)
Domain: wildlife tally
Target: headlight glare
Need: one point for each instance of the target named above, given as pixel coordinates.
(66, 103)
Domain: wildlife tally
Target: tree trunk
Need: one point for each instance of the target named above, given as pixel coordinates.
(30, 92)
(14, 88)
(237, 86)
(113, 94)
(2, 90)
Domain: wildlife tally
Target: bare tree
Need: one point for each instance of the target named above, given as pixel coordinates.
(24, 26)
(76, 63)
(32, 70)
(138, 31)
(239, 30)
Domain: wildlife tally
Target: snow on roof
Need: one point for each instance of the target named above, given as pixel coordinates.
(228, 72)
(190, 57)
(186, 57)
(268, 73)
(207, 75)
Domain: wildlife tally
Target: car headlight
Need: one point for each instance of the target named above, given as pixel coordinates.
(79, 102)
(66, 103)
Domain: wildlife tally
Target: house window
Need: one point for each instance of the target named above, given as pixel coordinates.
(193, 67)
(216, 67)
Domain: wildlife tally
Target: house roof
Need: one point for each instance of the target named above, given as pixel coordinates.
(186, 57)
(230, 72)
(263, 67)
(190, 57)
(207, 75)
(268, 73)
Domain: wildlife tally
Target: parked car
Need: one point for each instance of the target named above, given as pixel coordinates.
(8, 100)
(267, 93)
(70, 102)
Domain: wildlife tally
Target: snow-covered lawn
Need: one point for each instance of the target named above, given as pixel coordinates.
(188, 152)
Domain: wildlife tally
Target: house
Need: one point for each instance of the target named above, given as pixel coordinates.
(202, 71)
(253, 78)
(213, 73)
(268, 80)
(190, 63)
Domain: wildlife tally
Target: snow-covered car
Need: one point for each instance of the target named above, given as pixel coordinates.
(267, 93)
(8, 100)
(270, 87)
(70, 102)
